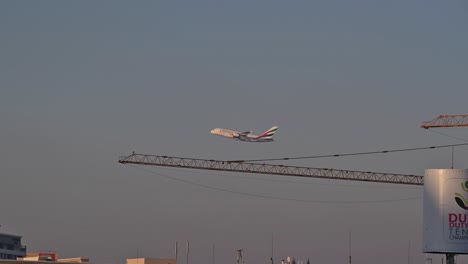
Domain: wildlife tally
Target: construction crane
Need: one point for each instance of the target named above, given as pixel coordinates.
(447, 121)
(271, 169)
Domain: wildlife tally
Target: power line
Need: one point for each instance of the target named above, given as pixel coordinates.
(353, 154)
(273, 197)
(334, 184)
(447, 135)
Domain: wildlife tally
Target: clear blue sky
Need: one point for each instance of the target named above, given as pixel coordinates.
(84, 82)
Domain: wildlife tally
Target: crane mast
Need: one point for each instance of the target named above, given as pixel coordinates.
(271, 169)
(447, 121)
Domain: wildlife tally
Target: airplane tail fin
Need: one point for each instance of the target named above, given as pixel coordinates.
(269, 133)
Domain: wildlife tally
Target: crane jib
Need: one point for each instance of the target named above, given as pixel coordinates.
(272, 169)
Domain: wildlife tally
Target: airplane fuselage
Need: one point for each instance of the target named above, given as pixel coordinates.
(248, 137)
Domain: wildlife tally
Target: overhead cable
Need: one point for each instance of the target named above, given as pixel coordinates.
(447, 135)
(275, 197)
(353, 154)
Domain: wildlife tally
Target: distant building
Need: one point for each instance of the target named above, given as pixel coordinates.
(59, 261)
(10, 247)
(44, 258)
(51, 257)
(152, 261)
(36, 256)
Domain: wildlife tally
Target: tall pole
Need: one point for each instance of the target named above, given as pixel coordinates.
(428, 259)
(187, 250)
(349, 245)
(450, 258)
(240, 256)
(213, 252)
(176, 250)
(452, 156)
(272, 248)
(409, 246)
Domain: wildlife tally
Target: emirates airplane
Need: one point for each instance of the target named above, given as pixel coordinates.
(267, 136)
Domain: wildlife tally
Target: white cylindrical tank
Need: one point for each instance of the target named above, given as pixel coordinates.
(446, 211)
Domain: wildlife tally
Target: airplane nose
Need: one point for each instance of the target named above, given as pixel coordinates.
(212, 131)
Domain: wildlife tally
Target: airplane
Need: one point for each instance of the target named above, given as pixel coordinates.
(247, 136)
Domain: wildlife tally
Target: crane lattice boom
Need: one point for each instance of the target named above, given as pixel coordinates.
(447, 121)
(262, 168)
